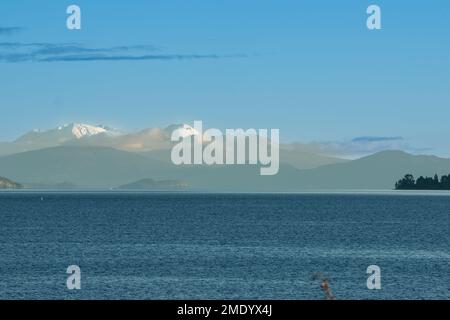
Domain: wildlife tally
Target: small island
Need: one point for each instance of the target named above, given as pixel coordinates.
(423, 183)
(8, 184)
(150, 184)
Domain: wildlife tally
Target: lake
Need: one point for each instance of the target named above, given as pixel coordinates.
(223, 246)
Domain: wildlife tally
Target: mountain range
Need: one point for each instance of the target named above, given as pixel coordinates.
(86, 156)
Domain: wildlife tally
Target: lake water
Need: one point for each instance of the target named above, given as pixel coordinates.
(207, 246)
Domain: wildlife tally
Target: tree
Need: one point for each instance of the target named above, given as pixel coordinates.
(423, 183)
(407, 182)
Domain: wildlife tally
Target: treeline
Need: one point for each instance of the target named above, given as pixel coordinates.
(423, 183)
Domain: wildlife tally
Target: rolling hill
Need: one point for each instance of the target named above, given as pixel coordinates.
(101, 167)
(95, 167)
(378, 171)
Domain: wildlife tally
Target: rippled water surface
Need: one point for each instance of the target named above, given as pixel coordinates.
(194, 246)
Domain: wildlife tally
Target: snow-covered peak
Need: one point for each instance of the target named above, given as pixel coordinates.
(184, 130)
(61, 134)
(80, 130)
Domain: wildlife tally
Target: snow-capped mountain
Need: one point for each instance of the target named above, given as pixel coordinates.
(185, 130)
(79, 134)
(38, 139)
(60, 134)
(154, 143)
(84, 130)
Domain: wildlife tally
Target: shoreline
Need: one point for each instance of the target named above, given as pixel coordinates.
(200, 192)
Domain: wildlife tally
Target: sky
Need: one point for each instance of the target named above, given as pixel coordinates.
(309, 68)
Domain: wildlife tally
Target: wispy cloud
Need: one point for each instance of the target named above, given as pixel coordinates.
(14, 52)
(135, 58)
(9, 30)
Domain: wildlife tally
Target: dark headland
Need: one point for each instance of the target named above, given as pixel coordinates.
(8, 184)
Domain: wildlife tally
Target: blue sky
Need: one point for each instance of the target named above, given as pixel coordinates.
(310, 68)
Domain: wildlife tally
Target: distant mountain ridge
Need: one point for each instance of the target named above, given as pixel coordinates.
(94, 167)
(41, 139)
(152, 142)
(62, 134)
(102, 167)
(378, 171)
(86, 156)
